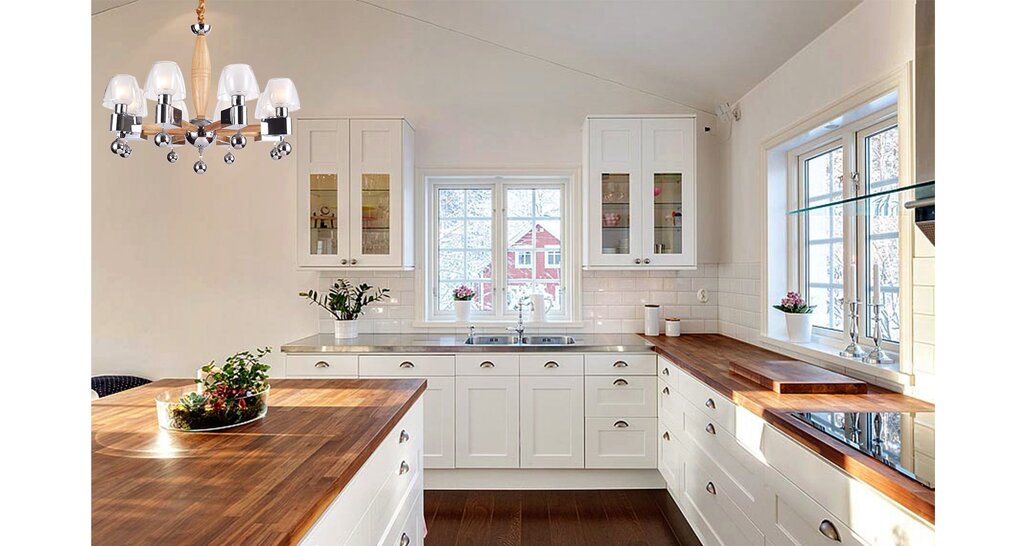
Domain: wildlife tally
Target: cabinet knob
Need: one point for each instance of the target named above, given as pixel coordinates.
(665, 436)
(321, 364)
(621, 424)
(344, 261)
(664, 391)
(550, 364)
(406, 364)
(620, 382)
(403, 468)
(620, 364)
(486, 364)
(711, 488)
(403, 437)
(647, 261)
(710, 428)
(353, 261)
(828, 529)
(710, 403)
(664, 371)
(637, 261)
(404, 541)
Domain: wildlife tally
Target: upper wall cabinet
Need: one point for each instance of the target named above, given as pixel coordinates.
(639, 192)
(355, 185)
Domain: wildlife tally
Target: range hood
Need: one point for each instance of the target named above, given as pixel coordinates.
(923, 203)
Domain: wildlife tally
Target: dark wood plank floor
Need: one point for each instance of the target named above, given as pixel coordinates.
(537, 518)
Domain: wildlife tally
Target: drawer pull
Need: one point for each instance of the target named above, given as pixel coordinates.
(828, 529)
(403, 437)
(550, 364)
(620, 364)
(620, 381)
(353, 261)
(666, 436)
(621, 424)
(404, 541)
(664, 371)
(321, 364)
(344, 261)
(710, 428)
(710, 403)
(403, 468)
(664, 391)
(486, 364)
(406, 364)
(711, 488)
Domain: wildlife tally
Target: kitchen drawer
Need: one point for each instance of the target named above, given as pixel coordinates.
(858, 505)
(621, 396)
(728, 523)
(550, 364)
(321, 365)
(406, 365)
(400, 488)
(707, 400)
(627, 442)
(486, 364)
(621, 364)
(670, 459)
(671, 405)
(408, 529)
(799, 521)
(668, 372)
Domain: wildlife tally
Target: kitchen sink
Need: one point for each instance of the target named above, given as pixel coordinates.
(548, 340)
(483, 339)
(490, 340)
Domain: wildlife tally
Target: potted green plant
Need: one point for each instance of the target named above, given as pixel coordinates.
(798, 317)
(463, 296)
(346, 302)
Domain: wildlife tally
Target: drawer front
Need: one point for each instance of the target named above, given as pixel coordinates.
(409, 528)
(621, 396)
(799, 521)
(321, 365)
(745, 488)
(671, 411)
(861, 507)
(550, 364)
(406, 365)
(486, 364)
(730, 525)
(621, 364)
(743, 470)
(628, 442)
(708, 401)
(668, 372)
(397, 491)
(670, 459)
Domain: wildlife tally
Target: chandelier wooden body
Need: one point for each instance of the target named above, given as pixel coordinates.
(229, 125)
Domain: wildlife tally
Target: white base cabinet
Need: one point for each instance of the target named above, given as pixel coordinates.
(551, 422)
(486, 422)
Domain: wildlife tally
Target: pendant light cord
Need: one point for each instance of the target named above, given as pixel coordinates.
(201, 11)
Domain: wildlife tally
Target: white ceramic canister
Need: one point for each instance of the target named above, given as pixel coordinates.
(652, 319)
(673, 327)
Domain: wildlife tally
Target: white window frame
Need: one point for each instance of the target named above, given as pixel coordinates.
(520, 263)
(430, 181)
(550, 253)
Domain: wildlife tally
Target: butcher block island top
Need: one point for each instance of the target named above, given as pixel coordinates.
(261, 483)
(710, 358)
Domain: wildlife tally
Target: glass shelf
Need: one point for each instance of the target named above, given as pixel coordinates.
(919, 185)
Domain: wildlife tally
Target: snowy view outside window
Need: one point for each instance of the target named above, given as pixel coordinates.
(464, 225)
(533, 226)
(883, 166)
(823, 178)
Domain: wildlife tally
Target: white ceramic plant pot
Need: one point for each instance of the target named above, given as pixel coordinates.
(462, 309)
(798, 326)
(346, 329)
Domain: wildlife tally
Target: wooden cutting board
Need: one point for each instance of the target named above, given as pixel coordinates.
(794, 377)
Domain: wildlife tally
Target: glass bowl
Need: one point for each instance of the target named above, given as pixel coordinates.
(188, 410)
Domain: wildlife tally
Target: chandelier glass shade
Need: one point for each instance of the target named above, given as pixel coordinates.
(229, 125)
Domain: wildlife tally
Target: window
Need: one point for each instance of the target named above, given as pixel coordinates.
(501, 236)
(840, 245)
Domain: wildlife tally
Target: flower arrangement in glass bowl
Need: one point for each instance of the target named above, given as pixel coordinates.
(225, 396)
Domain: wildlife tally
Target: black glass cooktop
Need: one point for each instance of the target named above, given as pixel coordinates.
(890, 437)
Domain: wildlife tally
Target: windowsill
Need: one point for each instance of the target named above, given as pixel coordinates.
(490, 322)
(822, 353)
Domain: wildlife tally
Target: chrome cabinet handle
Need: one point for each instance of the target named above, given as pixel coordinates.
(710, 428)
(551, 364)
(637, 261)
(647, 261)
(620, 364)
(486, 364)
(403, 437)
(711, 488)
(404, 541)
(321, 364)
(828, 529)
(620, 381)
(664, 371)
(710, 403)
(403, 468)
(621, 424)
(344, 261)
(665, 436)
(353, 261)
(406, 364)
(665, 390)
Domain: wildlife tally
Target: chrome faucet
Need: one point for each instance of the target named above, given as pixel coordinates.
(518, 329)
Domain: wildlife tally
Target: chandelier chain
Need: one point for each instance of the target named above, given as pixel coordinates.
(201, 11)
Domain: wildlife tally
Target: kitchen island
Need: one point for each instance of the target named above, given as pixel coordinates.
(317, 469)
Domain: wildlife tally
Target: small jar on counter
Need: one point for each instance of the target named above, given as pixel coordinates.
(673, 327)
(652, 314)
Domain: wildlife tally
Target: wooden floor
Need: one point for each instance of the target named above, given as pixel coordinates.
(507, 518)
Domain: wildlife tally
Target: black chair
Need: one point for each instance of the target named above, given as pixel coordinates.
(105, 385)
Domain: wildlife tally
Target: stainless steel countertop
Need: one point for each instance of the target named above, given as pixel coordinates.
(456, 343)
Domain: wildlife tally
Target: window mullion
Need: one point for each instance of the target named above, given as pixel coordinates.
(498, 251)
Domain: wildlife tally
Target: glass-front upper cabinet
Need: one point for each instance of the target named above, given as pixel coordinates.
(640, 192)
(355, 183)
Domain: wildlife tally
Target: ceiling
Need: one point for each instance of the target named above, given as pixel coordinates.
(695, 52)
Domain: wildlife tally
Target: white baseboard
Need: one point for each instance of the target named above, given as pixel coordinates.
(529, 478)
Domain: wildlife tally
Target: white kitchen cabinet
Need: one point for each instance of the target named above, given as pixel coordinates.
(486, 422)
(622, 396)
(355, 184)
(629, 442)
(640, 180)
(670, 460)
(439, 423)
(551, 422)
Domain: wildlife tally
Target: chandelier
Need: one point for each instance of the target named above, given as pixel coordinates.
(171, 126)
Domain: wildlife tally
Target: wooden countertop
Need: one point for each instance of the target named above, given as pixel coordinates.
(262, 483)
(707, 357)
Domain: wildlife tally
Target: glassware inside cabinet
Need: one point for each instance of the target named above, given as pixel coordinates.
(323, 219)
(376, 214)
(615, 213)
(668, 215)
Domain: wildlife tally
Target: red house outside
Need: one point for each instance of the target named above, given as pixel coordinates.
(527, 264)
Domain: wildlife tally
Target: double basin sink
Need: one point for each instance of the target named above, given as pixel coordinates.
(525, 340)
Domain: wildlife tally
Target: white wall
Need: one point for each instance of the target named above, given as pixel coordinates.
(188, 268)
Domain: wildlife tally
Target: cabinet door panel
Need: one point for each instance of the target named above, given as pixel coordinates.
(614, 192)
(376, 192)
(323, 188)
(439, 423)
(669, 192)
(487, 422)
(551, 411)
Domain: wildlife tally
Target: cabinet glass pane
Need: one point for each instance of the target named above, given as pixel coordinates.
(323, 218)
(376, 201)
(615, 213)
(668, 213)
